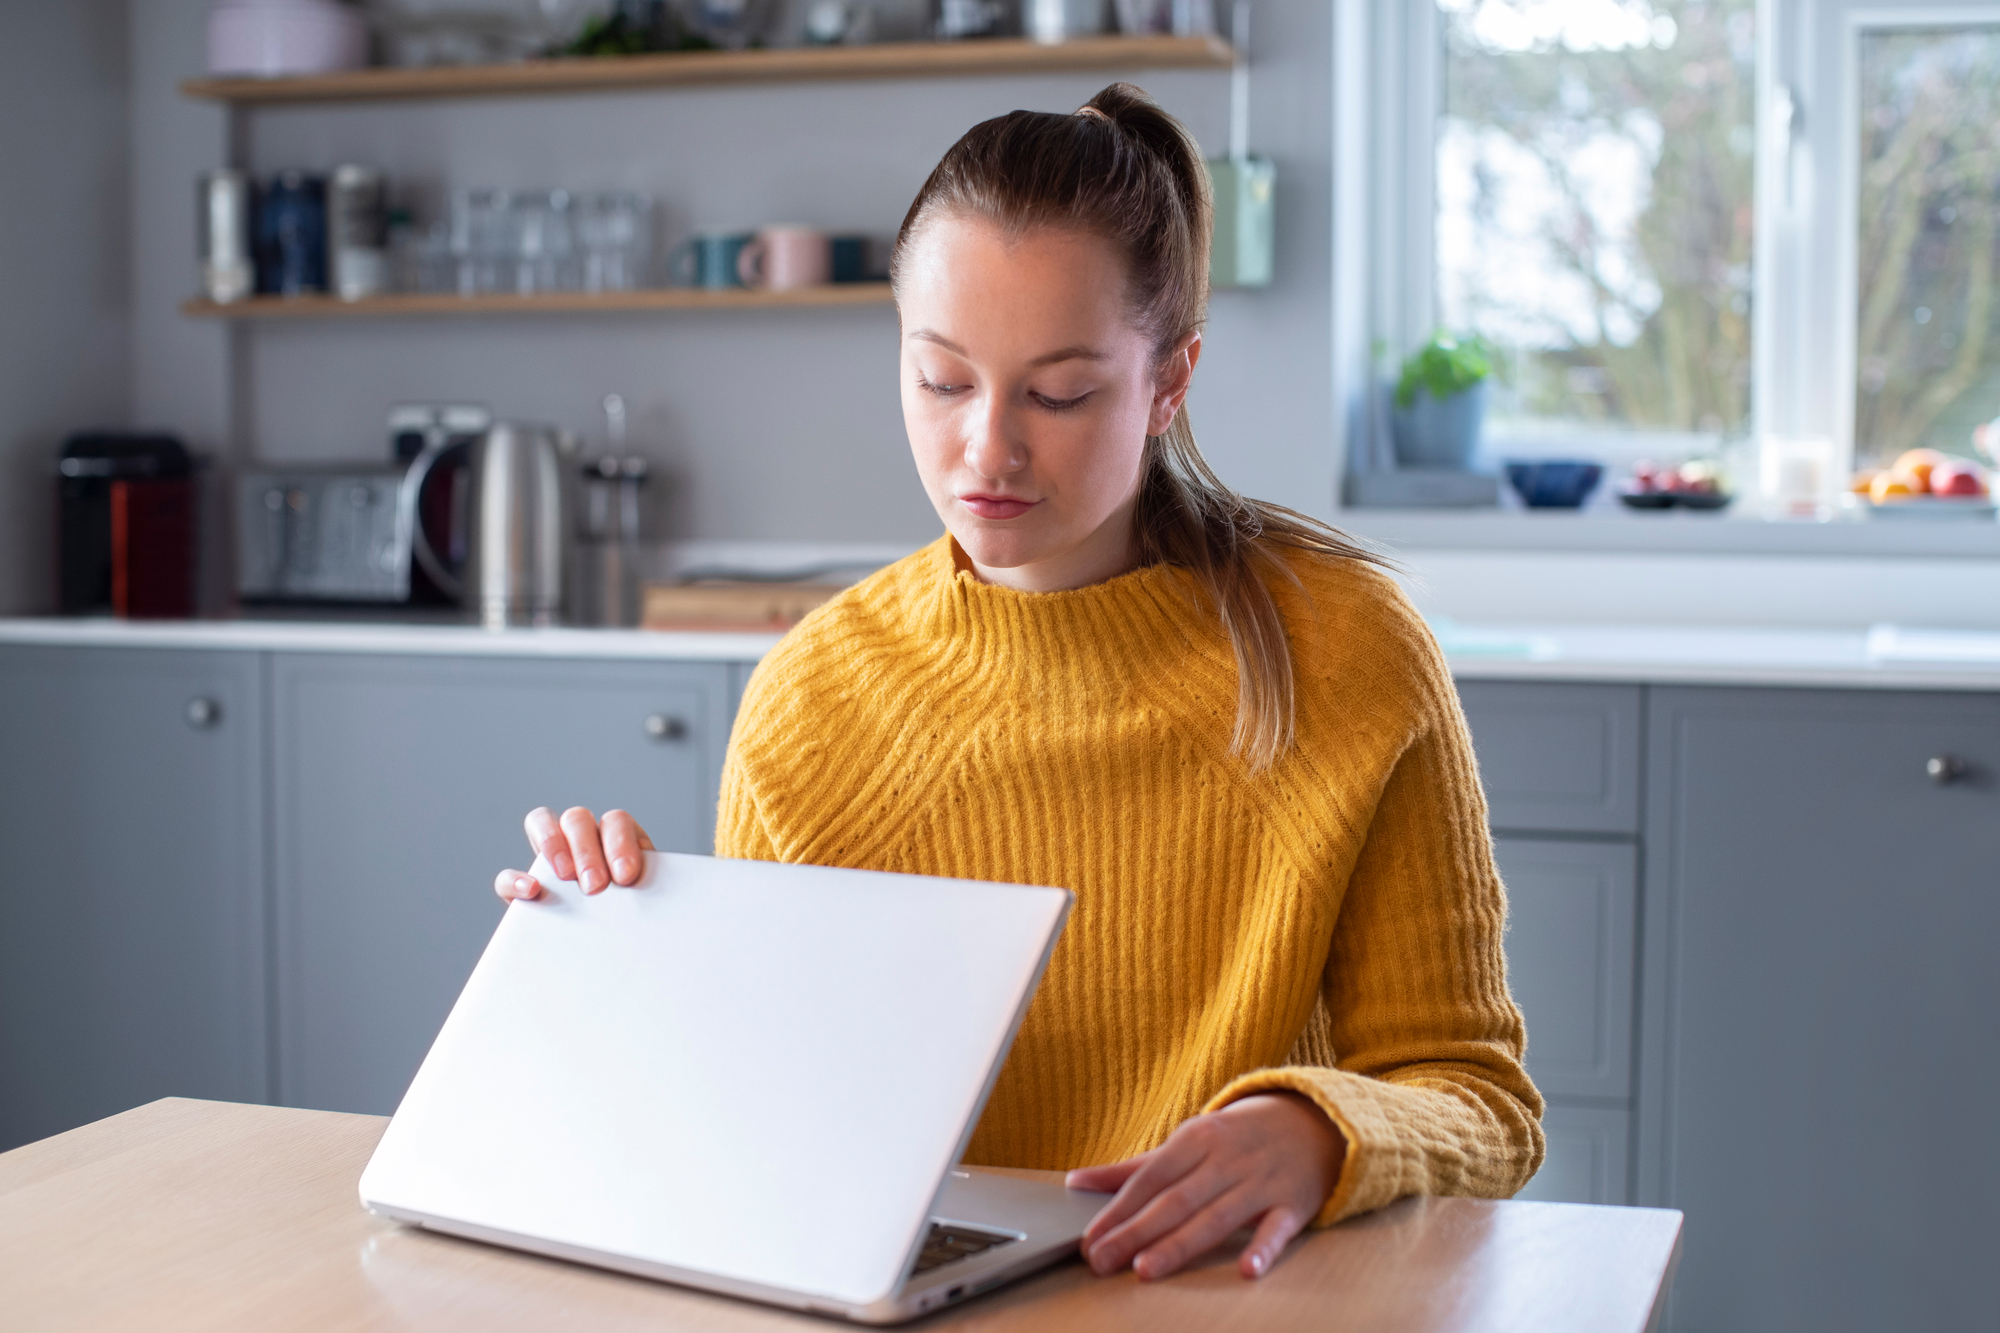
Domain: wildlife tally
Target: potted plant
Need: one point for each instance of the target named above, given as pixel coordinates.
(1440, 403)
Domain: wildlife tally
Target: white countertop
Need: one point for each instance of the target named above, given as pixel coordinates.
(1642, 654)
(1724, 655)
(308, 636)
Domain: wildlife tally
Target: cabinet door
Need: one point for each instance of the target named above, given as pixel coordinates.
(1556, 758)
(401, 787)
(131, 959)
(1571, 951)
(1819, 1085)
(1588, 1156)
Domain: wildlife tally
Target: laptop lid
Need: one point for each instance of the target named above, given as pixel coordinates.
(751, 1071)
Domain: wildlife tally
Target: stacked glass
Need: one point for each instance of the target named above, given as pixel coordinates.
(524, 242)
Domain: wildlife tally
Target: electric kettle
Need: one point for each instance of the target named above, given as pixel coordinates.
(515, 486)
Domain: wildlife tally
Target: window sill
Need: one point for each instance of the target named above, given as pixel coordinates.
(1609, 530)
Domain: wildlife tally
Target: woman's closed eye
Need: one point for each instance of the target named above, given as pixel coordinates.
(925, 383)
(1061, 404)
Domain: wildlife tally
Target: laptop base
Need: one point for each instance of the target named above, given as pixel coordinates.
(1046, 1218)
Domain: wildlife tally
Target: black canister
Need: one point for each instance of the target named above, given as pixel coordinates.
(291, 234)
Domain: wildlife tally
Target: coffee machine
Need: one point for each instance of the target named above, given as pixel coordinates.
(126, 525)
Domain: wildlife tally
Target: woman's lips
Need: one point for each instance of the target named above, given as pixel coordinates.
(997, 506)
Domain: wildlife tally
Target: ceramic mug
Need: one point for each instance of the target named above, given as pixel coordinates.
(783, 259)
(709, 260)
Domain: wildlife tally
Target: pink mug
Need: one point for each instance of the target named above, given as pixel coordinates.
(782, 259)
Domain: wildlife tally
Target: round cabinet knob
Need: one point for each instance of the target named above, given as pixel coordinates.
(662, 727)
(1945, 769)
(203, 713)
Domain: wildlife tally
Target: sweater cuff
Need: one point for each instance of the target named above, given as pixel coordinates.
(1371, 1173)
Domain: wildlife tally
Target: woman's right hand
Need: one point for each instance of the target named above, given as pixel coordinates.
(579, 846)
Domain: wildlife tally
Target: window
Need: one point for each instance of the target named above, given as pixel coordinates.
(1593, 208)
(1927, 322)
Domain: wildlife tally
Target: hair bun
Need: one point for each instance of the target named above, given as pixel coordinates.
(1117, 100)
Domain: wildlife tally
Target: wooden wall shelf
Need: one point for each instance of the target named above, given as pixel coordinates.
(889, 60)
(548, 303)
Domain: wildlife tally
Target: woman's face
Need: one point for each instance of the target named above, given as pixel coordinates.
(1028, 396)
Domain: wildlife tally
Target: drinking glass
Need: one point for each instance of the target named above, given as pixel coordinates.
(542, 233)
(615, 230)
(482, 225)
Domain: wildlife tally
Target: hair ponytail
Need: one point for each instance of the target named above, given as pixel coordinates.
(1123, 169)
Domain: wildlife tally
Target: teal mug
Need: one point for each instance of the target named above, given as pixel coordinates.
(849, 259)
(708, 260)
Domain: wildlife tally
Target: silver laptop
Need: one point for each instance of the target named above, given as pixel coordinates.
(747, 1077)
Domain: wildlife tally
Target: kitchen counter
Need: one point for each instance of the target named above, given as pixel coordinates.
(1641, 654)
(309, 636)
(1881, 658)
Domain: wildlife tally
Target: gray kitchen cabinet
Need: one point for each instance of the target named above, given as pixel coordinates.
(1818, 1078)
(1557, 757)
(739, 681)
(399, 788)
(132, 955)
(1571, 957)
(1588, 1152)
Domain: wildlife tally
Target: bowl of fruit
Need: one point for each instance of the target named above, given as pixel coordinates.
(1697, 484)
(1924, 483)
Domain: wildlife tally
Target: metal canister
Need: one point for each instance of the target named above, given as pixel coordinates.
(222, 218)
(358, 231)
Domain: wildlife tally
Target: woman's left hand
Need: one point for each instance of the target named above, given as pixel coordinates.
(1269, 1159)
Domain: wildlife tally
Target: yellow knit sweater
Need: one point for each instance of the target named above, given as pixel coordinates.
(1331, 927)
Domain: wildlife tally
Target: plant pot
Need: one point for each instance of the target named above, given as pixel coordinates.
(1434, 433)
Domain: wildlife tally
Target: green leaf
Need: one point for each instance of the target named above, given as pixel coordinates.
(1445, 365)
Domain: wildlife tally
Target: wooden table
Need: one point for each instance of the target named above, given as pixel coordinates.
(211, 1215)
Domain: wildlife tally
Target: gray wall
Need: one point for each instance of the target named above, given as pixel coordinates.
(64, 360)
(770, 424)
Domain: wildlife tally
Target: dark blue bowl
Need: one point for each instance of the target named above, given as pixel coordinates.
(1554, 484)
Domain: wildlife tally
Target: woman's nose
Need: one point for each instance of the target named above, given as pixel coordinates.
(991, 449)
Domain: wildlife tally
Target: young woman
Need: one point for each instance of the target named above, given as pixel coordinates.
(1281, 999)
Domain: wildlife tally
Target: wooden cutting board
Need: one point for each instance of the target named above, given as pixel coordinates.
(729, 606)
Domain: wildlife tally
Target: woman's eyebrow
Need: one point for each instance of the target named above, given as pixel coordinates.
(1077, 353)
(931, 336)
(1070, 354)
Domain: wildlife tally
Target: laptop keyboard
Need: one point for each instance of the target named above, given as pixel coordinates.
(947, 1243)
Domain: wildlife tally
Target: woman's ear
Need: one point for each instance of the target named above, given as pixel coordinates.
(1170, 386)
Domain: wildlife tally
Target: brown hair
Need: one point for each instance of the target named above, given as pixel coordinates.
(1123, 169)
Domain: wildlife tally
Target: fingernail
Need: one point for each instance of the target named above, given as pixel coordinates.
(525, 887)
(592, 881)
(625, 868)
(565, 868)
(1257, 1265)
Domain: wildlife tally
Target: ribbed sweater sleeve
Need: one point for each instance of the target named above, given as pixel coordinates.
(1426, 1081)
(739, 827)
